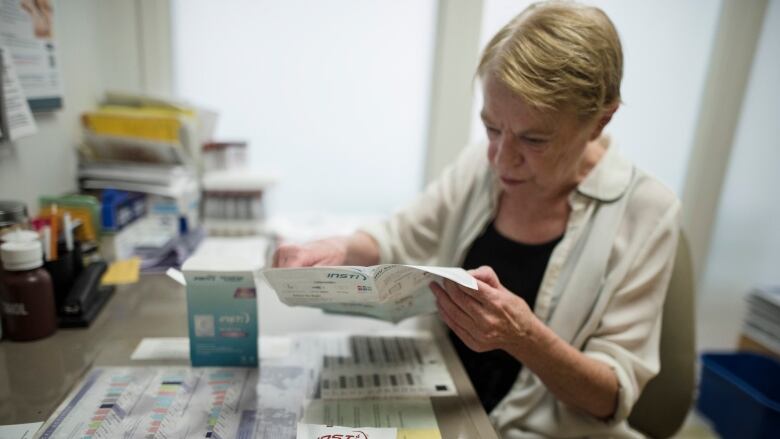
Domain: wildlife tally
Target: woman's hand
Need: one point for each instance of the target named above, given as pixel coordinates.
(490, 318)
(331, 251)
(494, 318)
(356, 249)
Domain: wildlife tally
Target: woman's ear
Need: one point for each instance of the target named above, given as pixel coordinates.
(603, 120)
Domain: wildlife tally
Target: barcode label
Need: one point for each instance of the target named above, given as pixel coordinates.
(375, 366)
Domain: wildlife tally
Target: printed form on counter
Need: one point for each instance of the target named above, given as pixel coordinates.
(411, 418)
(383, 380)
(388, 292)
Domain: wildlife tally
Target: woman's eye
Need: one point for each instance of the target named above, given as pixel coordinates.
(535, 142)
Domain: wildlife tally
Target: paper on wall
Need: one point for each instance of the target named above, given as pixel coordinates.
(17, 119)
(29, 35)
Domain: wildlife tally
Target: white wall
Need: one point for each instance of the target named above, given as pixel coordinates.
(96, 49)
(333, 95)
(666, 46)
(745, 248)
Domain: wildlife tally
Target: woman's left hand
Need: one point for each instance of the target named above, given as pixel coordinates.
(490, 318)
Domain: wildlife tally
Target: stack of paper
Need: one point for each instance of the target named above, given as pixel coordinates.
(166, 180)
(762, 322)
(137, 128)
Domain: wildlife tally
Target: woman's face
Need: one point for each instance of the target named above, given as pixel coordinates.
(531, 151)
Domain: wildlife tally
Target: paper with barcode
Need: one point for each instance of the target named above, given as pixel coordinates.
(388, 292)
(382, 366)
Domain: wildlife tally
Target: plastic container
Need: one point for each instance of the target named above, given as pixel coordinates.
(26, 296)
(120, 208)
(13, 217)
(225, 156)
(233, 202)
(740, 394)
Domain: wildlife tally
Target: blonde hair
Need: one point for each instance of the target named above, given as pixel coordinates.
(556, 55)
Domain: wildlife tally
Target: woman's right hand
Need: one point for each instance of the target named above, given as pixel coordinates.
(331, 251)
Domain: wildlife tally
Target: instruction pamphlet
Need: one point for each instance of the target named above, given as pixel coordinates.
(388, 292)
(381, 380)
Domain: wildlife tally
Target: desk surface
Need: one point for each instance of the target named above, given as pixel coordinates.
(36, 376)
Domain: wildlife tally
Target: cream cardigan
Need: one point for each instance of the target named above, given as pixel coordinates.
(603, 289)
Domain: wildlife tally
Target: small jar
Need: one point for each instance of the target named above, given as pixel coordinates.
(26, 293)
(19, 236)
(13, 216)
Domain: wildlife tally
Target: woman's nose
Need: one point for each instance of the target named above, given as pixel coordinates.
(508, 153)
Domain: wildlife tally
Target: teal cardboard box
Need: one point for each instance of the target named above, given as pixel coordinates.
(221, 312)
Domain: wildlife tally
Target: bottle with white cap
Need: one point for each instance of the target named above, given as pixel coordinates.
(26, 293)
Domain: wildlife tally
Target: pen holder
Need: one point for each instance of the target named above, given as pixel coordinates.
(64, 271)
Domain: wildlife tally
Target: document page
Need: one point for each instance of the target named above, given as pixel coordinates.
(157, 402)
(414, 418)
(388, 292)
(382, 366)
(382, 380)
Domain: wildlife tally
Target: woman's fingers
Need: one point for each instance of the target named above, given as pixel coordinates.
(463, 334)
(489, 295)
(467, 297)
(289, 255)
(453, 309)
(458, 328)
(484, 298)
(486, 275)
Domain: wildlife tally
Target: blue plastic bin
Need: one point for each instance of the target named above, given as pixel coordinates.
(740, 394)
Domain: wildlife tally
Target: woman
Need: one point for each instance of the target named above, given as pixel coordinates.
(572, 246)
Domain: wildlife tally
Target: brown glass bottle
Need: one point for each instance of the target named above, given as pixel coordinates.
(26, 293)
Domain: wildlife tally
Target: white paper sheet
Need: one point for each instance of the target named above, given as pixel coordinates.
(388, 292)
(415, 415)
(17, 117)
(19, 431)
(162, 348)
(178, 348)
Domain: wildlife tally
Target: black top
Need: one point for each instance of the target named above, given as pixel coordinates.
(520, 268)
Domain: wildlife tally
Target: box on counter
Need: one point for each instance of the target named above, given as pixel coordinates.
(222, 301)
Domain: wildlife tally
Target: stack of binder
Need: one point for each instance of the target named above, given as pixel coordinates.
(762, 322)
(151, 146)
